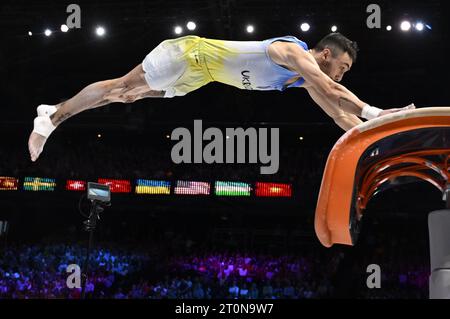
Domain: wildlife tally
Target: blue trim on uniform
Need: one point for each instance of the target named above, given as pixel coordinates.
(299, 82)
(288, 73)
(290, 38)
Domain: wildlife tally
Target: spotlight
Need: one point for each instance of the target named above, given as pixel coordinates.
(405, 26)
(30, 33)
(389, 28)
(301, 138)
(100, 31)
(250, 28)
(64, 28)
(178, 30)
(304, 27)
(167, 136)
(334, 28)
(48, 32)
(191, 25)
(419, 26)
(99, 135)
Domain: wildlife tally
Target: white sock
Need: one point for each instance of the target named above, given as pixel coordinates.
(46, 110)
(43, 126)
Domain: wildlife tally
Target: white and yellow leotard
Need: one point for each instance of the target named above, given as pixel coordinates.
(179, 66)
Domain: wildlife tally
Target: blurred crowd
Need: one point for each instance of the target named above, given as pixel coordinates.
(40, 271)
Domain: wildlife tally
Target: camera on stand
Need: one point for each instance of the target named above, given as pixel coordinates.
(100, 196)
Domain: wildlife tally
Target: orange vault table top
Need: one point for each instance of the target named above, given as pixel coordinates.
(367, 158)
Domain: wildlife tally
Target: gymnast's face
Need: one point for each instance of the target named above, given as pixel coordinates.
(334, 66)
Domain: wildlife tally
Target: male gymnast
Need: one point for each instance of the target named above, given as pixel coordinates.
(179, 66)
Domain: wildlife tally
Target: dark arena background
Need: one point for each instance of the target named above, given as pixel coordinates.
(203, 231)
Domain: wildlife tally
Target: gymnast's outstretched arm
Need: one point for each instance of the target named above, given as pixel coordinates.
(339, 97)
(345, 120)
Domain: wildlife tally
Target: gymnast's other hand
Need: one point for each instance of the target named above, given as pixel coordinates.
(395, 110)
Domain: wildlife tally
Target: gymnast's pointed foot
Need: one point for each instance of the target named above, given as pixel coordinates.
(42, 129)
(46, 110)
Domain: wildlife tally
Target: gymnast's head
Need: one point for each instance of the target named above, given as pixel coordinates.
(335, 55)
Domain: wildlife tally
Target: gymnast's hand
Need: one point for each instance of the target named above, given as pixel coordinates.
(395, 110)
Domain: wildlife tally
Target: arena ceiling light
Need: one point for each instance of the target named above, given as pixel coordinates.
(30, 33)
(191, 25)
(333, 28)
(389, 28)
(419, 26)
(250, 28)
(100, 31)
(64, 28)
(305, 27)
(405, 26)
(178, 29)
(48, 32)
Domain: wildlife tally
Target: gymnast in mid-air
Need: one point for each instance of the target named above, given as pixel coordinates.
(179, 66)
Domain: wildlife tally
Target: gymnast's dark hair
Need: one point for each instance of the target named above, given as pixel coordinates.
(337, 43)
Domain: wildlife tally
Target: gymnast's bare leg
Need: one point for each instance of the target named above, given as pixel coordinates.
(126, 89)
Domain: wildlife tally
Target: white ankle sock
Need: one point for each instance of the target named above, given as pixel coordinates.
(43, 126)
(46, 110)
